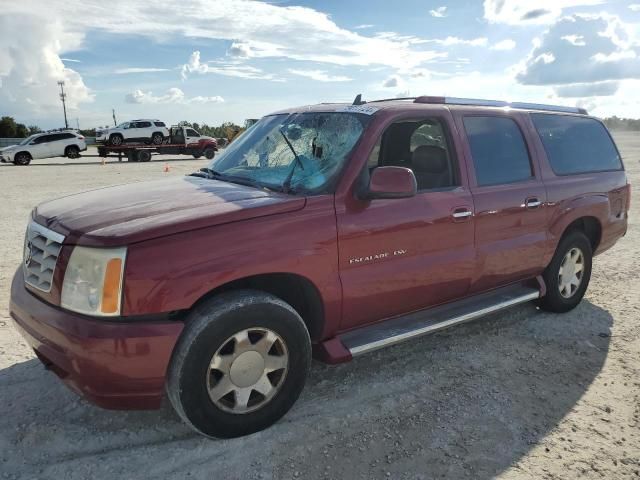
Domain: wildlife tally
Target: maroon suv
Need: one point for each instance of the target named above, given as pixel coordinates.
(330, 230)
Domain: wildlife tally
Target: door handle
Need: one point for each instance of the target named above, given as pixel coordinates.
(532, 202)
(461, 213)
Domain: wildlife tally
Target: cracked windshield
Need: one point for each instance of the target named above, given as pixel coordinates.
(293, 152)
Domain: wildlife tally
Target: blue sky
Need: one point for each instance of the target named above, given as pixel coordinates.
(217, 60)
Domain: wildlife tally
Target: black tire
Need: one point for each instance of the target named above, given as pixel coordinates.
(209, 152)
(208, 328)
(116, 139)
(72, 152)
(22, 159)
(157, 138)
(144, 155)
(197, 155)
(554, 300)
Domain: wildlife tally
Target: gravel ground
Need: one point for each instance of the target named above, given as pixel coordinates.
(522, 394)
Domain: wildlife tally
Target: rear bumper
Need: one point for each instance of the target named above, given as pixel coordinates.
(114, 365)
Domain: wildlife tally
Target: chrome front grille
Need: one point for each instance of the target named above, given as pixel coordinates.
(41, 249)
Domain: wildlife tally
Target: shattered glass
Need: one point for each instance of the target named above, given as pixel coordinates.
(321, 141)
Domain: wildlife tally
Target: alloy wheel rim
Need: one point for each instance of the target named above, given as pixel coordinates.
(247, 371)
(571, 272)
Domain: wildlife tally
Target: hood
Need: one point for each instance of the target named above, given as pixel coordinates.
(126, 214)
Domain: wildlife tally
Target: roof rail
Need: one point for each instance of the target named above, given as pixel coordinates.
(391, 99)
(499, 103)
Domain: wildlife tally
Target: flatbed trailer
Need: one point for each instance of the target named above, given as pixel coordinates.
(181, 142)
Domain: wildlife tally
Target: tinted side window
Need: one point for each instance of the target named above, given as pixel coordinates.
(576, 144)
(44, 139)
(498, 149)
(159, 124)
(133, 125)
(144, 124)
(192, 133)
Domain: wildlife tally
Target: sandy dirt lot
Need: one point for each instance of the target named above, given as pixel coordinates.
(522, 394)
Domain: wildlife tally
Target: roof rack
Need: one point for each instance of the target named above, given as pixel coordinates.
(499, 103)
(486, 103)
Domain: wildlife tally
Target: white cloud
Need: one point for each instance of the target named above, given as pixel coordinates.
(173, 95)
(394, 81)
(239, 49)
(268, 30)
(504, 45)
(30, 66)
(364, 26)
(635, 7)
(123, 71)
(72, 60)
(474, 42)
(228, 69)
(583, 49)
(597, 89)
(319, 75)
(520, 12)
(577, 40)
(439, 12)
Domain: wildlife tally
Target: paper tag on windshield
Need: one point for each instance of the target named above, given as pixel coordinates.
(366, 109)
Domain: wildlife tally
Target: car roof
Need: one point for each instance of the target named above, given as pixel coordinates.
(427, 102)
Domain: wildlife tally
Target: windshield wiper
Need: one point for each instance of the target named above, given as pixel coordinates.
(286, 185)
(211, 174)
(206, 173)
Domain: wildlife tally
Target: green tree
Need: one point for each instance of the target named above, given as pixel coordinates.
(21, 130)
(33, 129)
(7, 127)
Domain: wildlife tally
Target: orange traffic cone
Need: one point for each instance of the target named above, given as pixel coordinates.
(166, 168)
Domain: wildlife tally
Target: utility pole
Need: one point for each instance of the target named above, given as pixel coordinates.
(78, 123)
(64, 107)
(113, 112)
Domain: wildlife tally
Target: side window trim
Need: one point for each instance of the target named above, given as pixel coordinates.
(473, 175)
(447, 125)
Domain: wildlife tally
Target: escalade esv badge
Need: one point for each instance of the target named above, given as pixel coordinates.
(377, 256)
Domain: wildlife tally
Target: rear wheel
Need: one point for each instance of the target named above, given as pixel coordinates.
(197, 155)
(157, 138)
(567, 276)
(240, 364)
(144, 155)
(22, 158)
(116, 139)
(72, 152)
(209, 152)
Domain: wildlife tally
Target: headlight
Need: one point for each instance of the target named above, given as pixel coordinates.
(93, 281)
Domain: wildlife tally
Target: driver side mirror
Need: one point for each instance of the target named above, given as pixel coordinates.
(391, 182)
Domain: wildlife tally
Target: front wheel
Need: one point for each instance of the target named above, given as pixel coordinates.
(209, 152)
(22, 158)
(567, 276)
(116, 140)
(239, 365)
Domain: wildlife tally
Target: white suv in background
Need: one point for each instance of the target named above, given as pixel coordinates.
(139, 131)
(67, 143)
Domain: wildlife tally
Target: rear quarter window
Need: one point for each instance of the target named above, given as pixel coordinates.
(576, 144)
(159, 124)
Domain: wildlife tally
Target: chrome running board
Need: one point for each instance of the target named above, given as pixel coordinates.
(399, 329)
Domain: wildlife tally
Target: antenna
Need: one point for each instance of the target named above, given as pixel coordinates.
(63, 96)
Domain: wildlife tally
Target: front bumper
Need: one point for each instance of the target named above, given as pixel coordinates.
(114, 365)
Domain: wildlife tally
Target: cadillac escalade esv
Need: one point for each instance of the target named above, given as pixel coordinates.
(327, 231)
